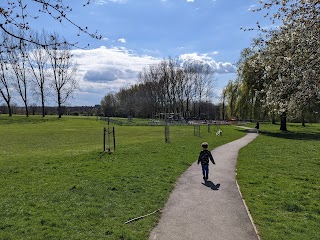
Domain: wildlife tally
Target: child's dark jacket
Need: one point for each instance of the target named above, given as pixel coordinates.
(204, 157)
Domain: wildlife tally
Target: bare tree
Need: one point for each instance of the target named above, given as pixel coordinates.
(64, 81)
(5, 80)
(109, 105)
(201, 77)
(17, 61)
(180, 79)
(169, 86)
(38, 63)
(18, 15)
(188, 91)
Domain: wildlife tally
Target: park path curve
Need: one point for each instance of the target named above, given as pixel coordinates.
(211, 211)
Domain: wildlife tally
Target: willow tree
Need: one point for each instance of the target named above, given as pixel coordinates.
(250, 79)
(231, 93)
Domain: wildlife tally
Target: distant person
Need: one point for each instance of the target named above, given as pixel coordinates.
(257, 126)
(204, 157)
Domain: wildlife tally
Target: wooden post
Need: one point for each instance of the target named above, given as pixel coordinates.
(166, 133)
(104, 139)
(109, 147)
(114, 139)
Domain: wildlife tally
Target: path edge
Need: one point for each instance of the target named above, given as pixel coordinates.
(248, 211)
(244, 202)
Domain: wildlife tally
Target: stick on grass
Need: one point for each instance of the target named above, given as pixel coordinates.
(137, 218)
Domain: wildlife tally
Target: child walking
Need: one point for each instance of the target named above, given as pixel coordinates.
(203, 158)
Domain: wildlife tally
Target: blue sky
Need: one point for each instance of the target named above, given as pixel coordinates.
(137, 33)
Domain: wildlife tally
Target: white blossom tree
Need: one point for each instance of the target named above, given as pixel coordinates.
(291, 56)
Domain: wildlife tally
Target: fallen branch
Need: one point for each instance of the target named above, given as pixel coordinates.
(137, 218)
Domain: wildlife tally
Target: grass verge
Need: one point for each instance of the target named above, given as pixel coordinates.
(279, 177)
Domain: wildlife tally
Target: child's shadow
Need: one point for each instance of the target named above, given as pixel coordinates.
(211, 185)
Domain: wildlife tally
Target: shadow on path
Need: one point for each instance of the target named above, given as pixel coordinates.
(211, 185)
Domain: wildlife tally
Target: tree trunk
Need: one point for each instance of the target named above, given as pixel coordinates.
(9, 110)
(223, 110)
(42, 104)
(26, 107)
(302, 119)
(59, 106)
(283, 126)
(8, 106)
(187, 109)
(59, 111)
(252, 109)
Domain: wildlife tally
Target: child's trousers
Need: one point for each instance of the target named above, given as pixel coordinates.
(205, 171)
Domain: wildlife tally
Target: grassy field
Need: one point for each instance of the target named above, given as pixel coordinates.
(56, 183)
(279, 175)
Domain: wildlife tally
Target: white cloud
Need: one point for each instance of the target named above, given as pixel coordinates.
(190, 0)
(103, 2)
(122, 40)
(218, 67)
(252, 7)
(104, 70)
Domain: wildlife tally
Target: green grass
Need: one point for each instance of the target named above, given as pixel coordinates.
(279, 175)
(136, 121)
(57, 184)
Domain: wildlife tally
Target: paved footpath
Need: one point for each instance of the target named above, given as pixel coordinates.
(211, 211)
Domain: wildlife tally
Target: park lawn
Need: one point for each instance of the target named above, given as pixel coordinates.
(279, 175)
(56, 183)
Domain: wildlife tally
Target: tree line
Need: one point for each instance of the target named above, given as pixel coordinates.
(182, 88)
(36, 69)
(279, 74)
(34, 64)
